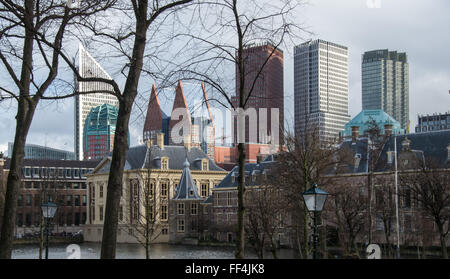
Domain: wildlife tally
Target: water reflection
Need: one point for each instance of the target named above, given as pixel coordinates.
(136, 251)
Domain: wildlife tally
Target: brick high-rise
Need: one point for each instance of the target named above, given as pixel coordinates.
(268, 89)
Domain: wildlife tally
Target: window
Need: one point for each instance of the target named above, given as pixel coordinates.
(84, 200)
(69, 200)
(20, 220)
(205, 189)
(37, 200)
(35, 172)
(121, 213)
(69, 219)
(76, 185)
(101, 213)
(27, 172)
(205, 165)
(60, 173)
(180, 226)
(165, 231)
(194, 208)
(163, 212)
(228, 198)
(164, 190)
(76, 173)
(101, 191)
(28, 184)
(77, 200)
(181, 209)
(68, 173)
(136, 212)
(20, 200)
(165, 163)
(93, 213)
(150, 190)
(28, 200)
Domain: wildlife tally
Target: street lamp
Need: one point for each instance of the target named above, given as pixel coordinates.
(314, 200)
(48, 210)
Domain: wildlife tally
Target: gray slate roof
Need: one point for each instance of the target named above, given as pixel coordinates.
(186, 189)
(250, 169)
(137, 158)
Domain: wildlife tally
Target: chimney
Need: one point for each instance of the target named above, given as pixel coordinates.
(149, 143)
(406, 144)
(388, 129)
(187, 142)
(355, 133)
(160, 140)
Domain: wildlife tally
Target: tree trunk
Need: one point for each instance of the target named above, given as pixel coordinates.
(442, 239)
(120, 149)
(240, 246)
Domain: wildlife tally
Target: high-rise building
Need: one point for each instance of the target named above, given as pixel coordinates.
(99, 131)
(39, 152)
(385, 83)
(267, 91)
(88, 67)
(435, 122)
(320, 88)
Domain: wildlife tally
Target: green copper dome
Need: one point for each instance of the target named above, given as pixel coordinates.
(380, 117)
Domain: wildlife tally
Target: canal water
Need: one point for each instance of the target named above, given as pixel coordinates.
(136, 251)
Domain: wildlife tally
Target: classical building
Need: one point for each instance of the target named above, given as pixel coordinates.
(223, 203)
(362, 120)
(416, 227)
(433, 122)
(159, 167)
(267, 92)
(385, 83)
(39, 152)
(59, 181)
(88, 67)
(320, 88)
(185, 209)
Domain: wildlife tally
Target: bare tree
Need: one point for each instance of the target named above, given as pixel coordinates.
(385, 211)
(229, 28)
(375, 144)
(348, 206)
(264, 213)
(308, 159)
(144, 224)
(31, 35)
(429, 187)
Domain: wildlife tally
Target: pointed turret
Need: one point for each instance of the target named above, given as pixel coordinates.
(186, 190)
(179, 103)
(153, 120)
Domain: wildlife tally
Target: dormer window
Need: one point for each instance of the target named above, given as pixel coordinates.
(205, 165)
(164, 163)
(27, 172)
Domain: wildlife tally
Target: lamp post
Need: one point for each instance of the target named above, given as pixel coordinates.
(314, 200)
(48, 210)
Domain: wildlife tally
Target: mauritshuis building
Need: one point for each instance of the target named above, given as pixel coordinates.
(385, 84)
(88, 67)
(321, 87)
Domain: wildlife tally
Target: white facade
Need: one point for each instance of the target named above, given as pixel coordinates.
(88, 67)
(321, 87)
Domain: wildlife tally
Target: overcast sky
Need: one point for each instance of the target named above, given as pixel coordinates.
(419, 28)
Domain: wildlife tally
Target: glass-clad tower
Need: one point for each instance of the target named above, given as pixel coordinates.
(99, 130)
(88, 67)
(385, 84)
(320, 88)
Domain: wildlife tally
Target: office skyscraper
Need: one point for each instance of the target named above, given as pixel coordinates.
(88, 67)
(385, 83)
(99, 131)
(320, 88)
(268, 90)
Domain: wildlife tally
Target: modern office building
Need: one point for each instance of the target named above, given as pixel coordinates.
(99, 131)
(268, 90)
(385, 83)
(363, 119)
(320, 88)
(433, 122)
(88, 67)
(39, 152)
